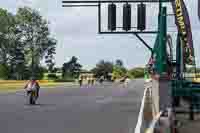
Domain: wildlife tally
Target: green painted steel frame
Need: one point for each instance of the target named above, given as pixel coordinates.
(159, 49)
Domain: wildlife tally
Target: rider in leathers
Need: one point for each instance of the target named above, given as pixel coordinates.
(32, 82)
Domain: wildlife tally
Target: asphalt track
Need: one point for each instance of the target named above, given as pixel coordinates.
(107, 108)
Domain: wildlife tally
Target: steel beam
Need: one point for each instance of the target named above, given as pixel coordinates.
(111, 1)
(129, 32)
(79, 5)
(142, 40)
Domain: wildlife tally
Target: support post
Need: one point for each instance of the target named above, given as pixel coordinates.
(161, 55)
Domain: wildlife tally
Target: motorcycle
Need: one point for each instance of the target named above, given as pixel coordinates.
(32, 96)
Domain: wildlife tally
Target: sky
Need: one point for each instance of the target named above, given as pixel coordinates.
(77, 33)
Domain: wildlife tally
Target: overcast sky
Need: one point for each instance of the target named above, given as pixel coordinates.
(76, 32)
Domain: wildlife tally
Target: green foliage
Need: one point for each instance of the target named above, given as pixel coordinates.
(39, 72)
(103, 68)
(4, 72)
(71, 69)
(119, 63)
(7, 25)
(136, 72)
(35, 32)
(25, 40)
(131, 76)
(52, 76)
(49, 58)
(118, 72)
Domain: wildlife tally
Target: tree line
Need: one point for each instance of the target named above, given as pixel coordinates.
(110, 70)
(25, 40)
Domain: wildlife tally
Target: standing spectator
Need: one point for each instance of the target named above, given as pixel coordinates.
(80, 80)
(92, 79)
(88, 80)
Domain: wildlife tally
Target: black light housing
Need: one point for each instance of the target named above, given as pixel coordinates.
(141, 16)
(112, 17)
(126, 17)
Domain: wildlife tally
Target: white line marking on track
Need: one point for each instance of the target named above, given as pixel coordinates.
(140, 117)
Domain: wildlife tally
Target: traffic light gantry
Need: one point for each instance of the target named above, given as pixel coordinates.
(126, 27)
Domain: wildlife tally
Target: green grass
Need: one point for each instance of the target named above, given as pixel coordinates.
(19, 86)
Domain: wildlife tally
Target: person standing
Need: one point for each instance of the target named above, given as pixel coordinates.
(80, 80)
(92, 79)
(88, 80)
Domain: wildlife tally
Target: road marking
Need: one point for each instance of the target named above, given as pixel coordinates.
(140, 117)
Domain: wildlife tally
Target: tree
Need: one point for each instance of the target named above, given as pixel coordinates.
(4, 71)
(7, 22)
(72, 68)
(119, 63)
(57, 70)
(24, 42)
(35, 37)
(12, 56)
(103, 68)
(49, 58)
(17, 63)
(119, 70)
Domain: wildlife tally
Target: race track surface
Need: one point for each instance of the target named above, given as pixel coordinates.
(108, 108)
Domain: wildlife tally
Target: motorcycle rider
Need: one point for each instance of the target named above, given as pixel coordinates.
(32, 83)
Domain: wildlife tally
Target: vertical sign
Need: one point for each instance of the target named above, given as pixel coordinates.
(183, 23)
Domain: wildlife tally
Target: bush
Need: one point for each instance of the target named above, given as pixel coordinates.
(52, 76)
(136, 72)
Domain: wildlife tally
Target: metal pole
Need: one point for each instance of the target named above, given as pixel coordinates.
(161, 56)
(178, 57)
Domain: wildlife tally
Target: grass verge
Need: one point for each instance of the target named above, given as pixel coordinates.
(12, 87)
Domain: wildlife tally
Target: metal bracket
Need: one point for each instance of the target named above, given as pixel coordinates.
(142, 40)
